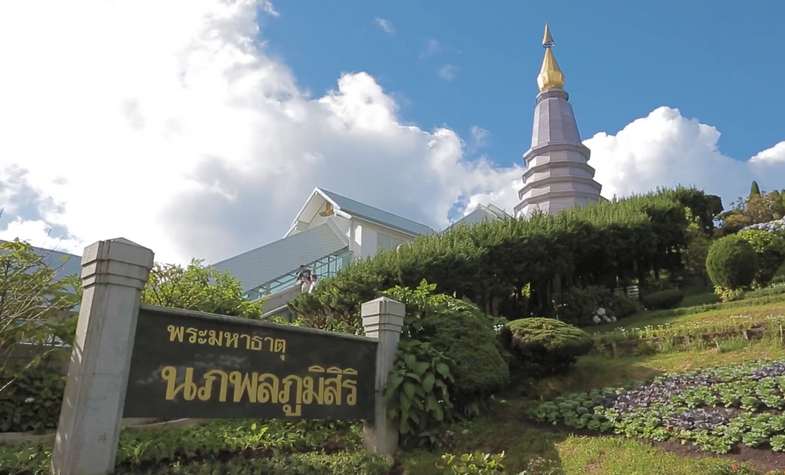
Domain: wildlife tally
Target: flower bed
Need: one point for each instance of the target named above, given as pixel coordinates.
(715, 409)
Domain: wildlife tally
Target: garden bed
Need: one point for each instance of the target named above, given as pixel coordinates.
(716, 410)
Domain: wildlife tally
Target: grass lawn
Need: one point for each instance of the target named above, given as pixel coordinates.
(759, 305)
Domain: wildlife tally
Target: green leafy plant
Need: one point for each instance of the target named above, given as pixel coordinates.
(462, 333)
(34, 307)
(474, 463)
(33, 402)
(577, 305)
(418, 392)
(196, 287)
(545, 345)
(769, 248)
(731, 262)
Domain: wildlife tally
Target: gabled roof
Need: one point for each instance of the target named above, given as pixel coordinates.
(482, 213)
(268, 262)
(373, 214)
(379, 216)
(63, 263)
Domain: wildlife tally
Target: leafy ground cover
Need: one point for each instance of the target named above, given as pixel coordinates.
(307, 447)
(714, 409)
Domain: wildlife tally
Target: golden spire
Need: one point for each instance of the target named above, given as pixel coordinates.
(550, 76)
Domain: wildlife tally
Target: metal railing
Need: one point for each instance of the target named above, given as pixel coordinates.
(323, 267)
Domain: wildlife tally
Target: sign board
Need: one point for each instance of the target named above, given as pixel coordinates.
(191, 364)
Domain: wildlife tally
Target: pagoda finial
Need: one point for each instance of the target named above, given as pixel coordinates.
(547, 39)
(551, 76)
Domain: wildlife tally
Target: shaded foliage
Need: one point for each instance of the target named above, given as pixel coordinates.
(663, 299)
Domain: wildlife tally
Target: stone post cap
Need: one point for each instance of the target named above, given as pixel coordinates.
(118, 249)
(383, 306)
(116, 261)
(382, 315)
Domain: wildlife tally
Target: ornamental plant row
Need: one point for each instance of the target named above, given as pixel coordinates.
(715, 409)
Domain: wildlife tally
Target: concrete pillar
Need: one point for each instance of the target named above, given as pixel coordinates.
(113, 275)
(383, 320)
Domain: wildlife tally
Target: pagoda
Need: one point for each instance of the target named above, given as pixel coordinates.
(557, 175)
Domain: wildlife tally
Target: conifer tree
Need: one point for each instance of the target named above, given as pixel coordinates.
(755, 189)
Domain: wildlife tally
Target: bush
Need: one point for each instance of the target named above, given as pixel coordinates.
(578, 305)
(459, 330)
(663, 299)
(545, 345)
(32, 402)
(731, 262)
(728, 295)
(779, 275)
(769, 248)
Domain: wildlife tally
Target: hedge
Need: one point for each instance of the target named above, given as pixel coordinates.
(492, 263)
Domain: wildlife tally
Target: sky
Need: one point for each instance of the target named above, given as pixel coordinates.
(198, 128)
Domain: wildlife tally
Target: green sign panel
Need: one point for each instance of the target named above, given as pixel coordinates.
(190, 364)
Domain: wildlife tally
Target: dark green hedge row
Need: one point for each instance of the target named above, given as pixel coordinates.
(516, 267)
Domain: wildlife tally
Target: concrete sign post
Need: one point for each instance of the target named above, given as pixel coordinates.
(113, 275)
(383, 320)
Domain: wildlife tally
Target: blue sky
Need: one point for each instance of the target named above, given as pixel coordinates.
(227, 127)
(719, 62)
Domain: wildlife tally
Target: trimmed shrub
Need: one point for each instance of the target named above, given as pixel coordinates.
(663, 299)
(769, 248)
(459, 330)
(731, 262)
(545, 345)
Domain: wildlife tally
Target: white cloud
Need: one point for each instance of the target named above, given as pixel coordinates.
(41, 234)
(167, 123)
(668, 149)
(478, 138)
(385, 25)
(448, 72)
(774, 156)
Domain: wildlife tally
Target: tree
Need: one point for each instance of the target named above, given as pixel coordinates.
(197, 287)
(695, 254)
(754, 189)
(33, 307)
